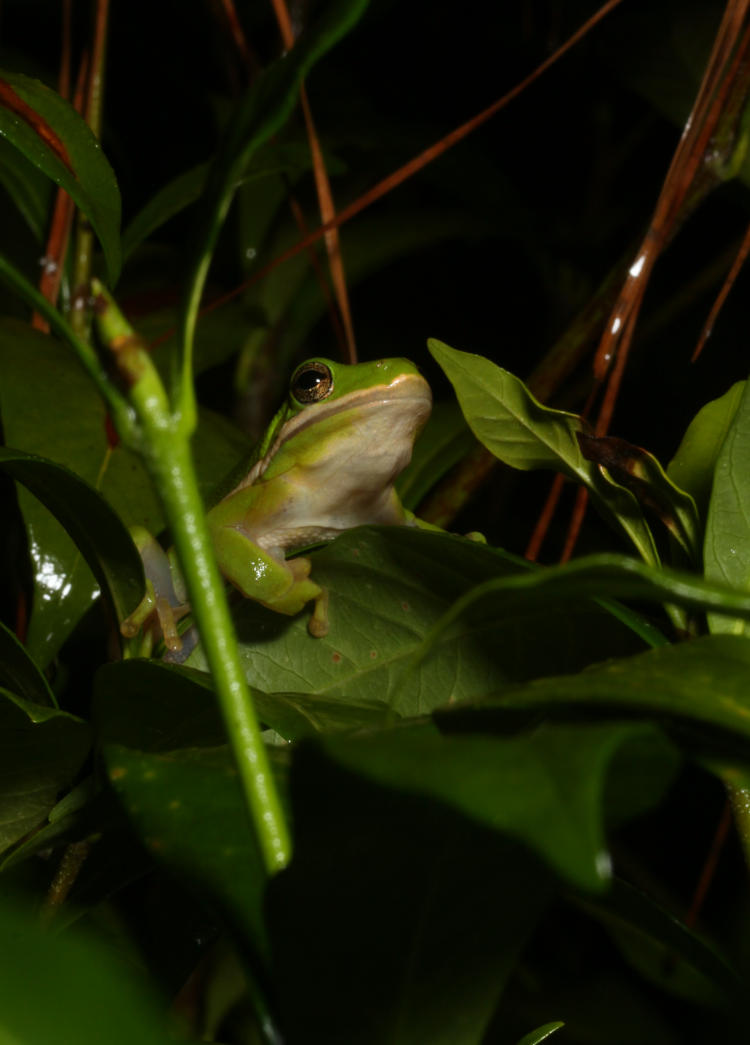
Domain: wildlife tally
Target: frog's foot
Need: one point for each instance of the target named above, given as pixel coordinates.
(302, 591)
(318, 623)
(154, 618)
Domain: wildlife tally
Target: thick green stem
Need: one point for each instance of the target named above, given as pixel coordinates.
(172, 470)
(166, 451)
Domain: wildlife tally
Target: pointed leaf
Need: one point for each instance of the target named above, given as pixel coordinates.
(387, 588)
(543, 788)
(600, 577)
(94, 527)
(693, 466)
(522, 433)
(51, 134)
(727, 547)
(700, 686)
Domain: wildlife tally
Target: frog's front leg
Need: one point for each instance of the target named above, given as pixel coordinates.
(165, 601)
(282, 585)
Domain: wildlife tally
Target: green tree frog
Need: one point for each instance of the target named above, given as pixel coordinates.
(326, 464)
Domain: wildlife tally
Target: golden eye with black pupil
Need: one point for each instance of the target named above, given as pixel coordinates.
(311, 382)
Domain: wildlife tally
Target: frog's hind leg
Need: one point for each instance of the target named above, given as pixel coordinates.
(283, 585)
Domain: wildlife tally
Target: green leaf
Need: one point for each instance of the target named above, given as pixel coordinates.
(727, 547)
(41, 750)
(599, 577)
(52, 136)
(157, 707)
(534, 1037)
(387, 588)
(418, 916)
(544, 788)
(96, 531)
(51, 409)
(522, 433)
(90, 996)
(19, 673)
(187, 806)
(27, 187)
(699, 686)
(693, 466)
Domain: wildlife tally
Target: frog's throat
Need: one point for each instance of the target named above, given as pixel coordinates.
(403, 388)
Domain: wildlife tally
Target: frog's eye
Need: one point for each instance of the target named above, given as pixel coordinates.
(311, 382)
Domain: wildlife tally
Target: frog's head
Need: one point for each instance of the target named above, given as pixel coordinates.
(368, 414)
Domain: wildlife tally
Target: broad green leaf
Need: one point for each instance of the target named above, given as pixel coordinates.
(726, 552)
(90, 995)
(544, 788)
(387, 588)
(698, 686)
(692, 467)
(599, 577)
(19, 673)
(29, 189)
(41, 750)
(187, 807)
(522, 433)
(97, 532)
(417, 918)
(153, 706)
(52, 136)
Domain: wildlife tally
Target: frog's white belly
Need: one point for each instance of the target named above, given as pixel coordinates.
(318, 517)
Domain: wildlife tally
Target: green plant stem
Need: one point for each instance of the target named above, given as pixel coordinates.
(166, 452)
(170, 464)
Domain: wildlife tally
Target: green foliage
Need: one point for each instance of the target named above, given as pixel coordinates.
(501, 778)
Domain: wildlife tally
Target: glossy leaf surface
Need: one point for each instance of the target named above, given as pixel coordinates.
(522, 433)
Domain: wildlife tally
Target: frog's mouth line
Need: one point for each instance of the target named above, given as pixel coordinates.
(403, 388)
